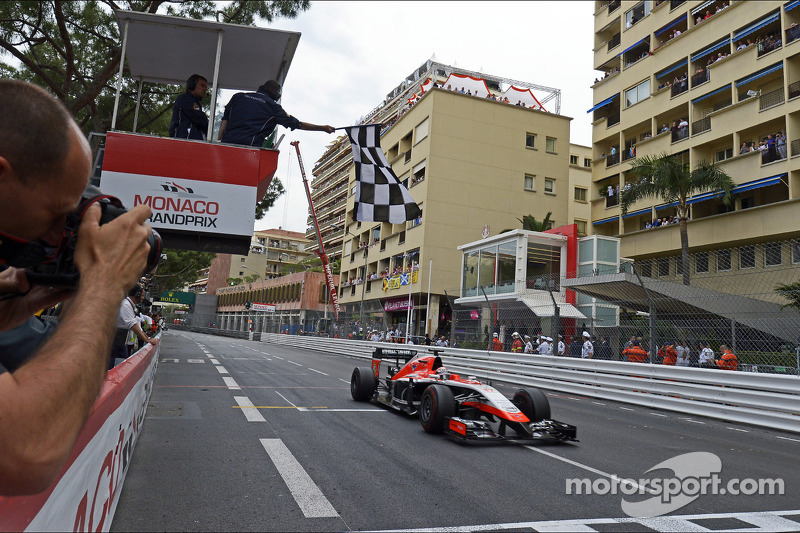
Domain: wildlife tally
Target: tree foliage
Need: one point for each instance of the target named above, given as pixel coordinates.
(791, 292)
(274, 191)
(668, 178)
(181, 267)
(314, 264)
(530, 223)
(74, 48)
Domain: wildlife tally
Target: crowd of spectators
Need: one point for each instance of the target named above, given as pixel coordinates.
(772, 148)
(385, 273)
(658, 222)
(708, 14)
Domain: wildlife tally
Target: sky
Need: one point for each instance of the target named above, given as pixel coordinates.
(351, 54)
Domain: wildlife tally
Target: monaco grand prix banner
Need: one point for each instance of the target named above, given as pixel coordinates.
(202, 195)
(86, 493)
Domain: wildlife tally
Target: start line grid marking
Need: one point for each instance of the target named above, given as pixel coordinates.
(762, 522)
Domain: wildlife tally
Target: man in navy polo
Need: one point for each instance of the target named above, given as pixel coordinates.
(188, 119)
(250, 117)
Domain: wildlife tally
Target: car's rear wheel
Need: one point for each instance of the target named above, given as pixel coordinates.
(362, 384)
(435, 407)
(533, 404)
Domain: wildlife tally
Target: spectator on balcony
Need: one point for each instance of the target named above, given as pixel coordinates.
(674, 130)
(744, 148)
(683, 126)
(772, 152)
(780, 144)
(741, 46)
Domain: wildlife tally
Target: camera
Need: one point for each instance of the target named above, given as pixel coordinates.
(54, 265)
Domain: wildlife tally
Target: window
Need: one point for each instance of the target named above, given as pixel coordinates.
(421, 130)
(581, 226)
(415, 222)
(637, 94)
(243, 259)
(530, 140)
(530, 182)
(723, 260)
(701, 262)
(632, 16)
(573, 160)
(772, 254)
(419, 173)
(580, 194)
(550, 144)
(549, 185)
(747, 257)
(353, 190)
(722, 155)
(795, 252)
(587, 162)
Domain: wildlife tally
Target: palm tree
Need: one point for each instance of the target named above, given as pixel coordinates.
(530, 223)
(666, 177)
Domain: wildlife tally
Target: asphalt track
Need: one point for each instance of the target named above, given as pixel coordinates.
(245, 436)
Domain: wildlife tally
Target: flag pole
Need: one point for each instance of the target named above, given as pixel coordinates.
(326, 267)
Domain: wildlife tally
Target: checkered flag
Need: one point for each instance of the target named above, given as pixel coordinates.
(380, 197)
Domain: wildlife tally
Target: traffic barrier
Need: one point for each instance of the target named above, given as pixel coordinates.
(86, 492)
(767, 400)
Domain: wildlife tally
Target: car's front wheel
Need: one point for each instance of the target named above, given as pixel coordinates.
(533, 404)
(362, 384)
(436, 406)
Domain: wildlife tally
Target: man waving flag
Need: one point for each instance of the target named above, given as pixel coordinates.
(380, 197)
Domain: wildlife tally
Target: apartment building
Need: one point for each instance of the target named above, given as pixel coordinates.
(700, 80)
(273, 252)
(475, 165)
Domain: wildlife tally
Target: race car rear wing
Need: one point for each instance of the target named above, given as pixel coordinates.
(395, 354)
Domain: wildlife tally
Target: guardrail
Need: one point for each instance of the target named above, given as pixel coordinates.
(759, 399)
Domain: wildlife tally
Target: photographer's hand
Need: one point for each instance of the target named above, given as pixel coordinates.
(17, 309)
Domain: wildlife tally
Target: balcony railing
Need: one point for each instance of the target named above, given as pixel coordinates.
(613, 6)
(681, 134)
(792, 34)
(612, 160)
(700, 77)
(768, 45)
(771, 98)
(675, 3)
(613, 120)
(699, 126)
(612, 201)
(794, 89)
(796, 147)
(680, 87)
(773, 154)
(614, 42)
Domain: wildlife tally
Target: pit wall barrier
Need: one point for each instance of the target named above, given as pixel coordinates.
(86, 492)
(765, 400)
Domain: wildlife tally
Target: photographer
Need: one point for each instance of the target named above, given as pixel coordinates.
(45, 163)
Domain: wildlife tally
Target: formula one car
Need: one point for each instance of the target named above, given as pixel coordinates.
(465, 409)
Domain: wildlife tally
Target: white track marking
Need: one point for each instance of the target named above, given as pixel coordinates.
(195, 360)
(276, 357)
(626, 409)
(590, 469)
(771, 521)
(598, 403)
(318, 372)
(221, 369)
(290, 403)
(344, 381)
(250, 413)
(739, 429)
(309, 498)
(231, 383)
(216, 362)
(292, 362)
(659, 414)
(787, 438)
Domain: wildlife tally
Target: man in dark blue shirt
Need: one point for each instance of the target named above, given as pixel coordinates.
(188, 119)
(250, 117)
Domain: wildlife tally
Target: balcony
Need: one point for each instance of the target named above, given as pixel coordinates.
(768, 44)
(614, 42)
(702, 125)
(700, 78)
(680, 87)
(613, 6)
(770, 99)
(681, 134)
(795, 147)
(794, 90)
(612, 160)
(792, 34)
(613, 119)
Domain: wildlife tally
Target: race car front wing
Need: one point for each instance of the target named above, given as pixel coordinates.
(479, 430)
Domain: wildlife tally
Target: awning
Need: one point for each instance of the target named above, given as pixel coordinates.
(605, 221)
(673, 23)
(637, 213)
(634, 45)
(526, 96)
(768, 70)
(675, 67)
(712, 48)
(712, 93)
(544, 308)
(606, 102)
(791, 5)
(750, 185)
(757, 26)
(701, 7)
(477, 86)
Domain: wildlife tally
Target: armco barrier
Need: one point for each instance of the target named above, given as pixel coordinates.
(758, 399)
(85, 494)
